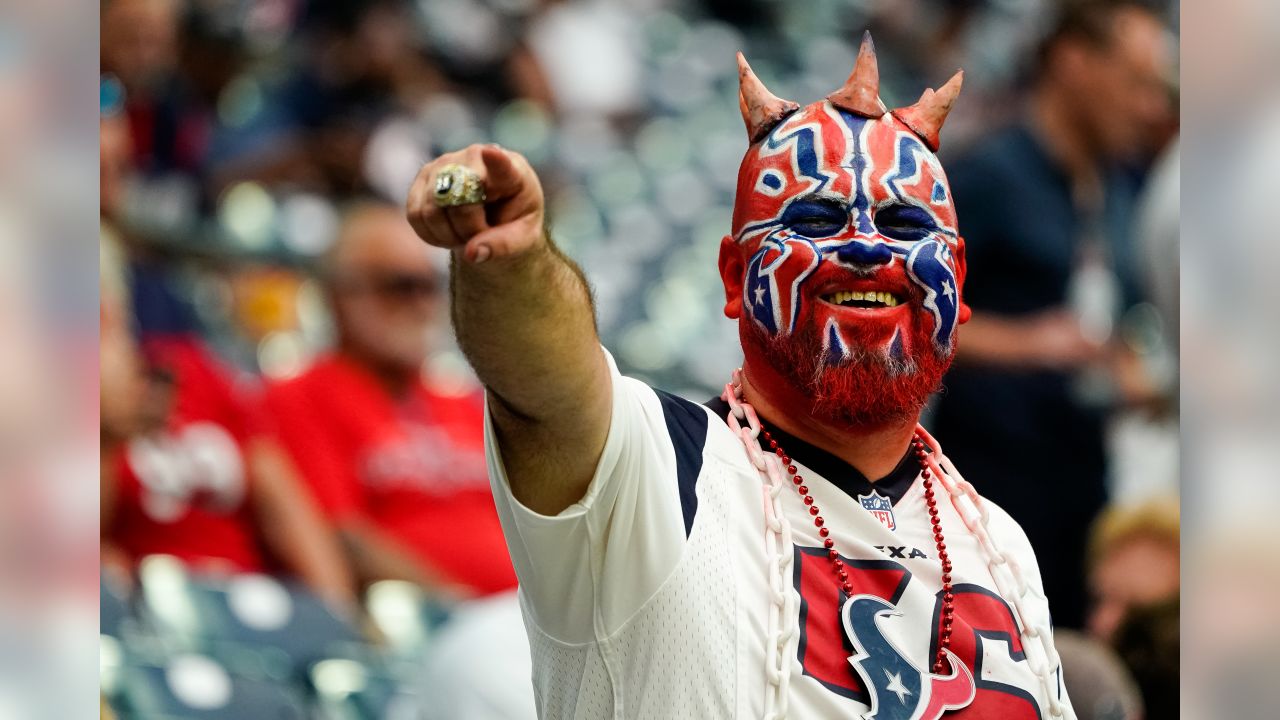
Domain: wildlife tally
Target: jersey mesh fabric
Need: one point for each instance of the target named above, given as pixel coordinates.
(685, 621)
(565, 682)
(681, 641)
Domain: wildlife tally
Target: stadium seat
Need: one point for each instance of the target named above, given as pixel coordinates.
(253, 623)
(350, 690)
(404, 615)
(196, 687)
(114, 612)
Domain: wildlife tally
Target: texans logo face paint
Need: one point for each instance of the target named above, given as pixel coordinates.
(774, 277)
(854, 225)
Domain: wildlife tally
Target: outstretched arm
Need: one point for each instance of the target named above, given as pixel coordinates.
(522, 312)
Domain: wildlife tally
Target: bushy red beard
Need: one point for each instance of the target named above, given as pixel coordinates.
(868, 390)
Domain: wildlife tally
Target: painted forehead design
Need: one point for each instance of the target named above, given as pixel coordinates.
(826, 153)
(849, 146)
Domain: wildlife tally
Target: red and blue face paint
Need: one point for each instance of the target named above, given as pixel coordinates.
(831, 196)
(846, 213)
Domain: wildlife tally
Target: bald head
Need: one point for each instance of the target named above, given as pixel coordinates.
(376, 236)
(386, 287)
(139, 40)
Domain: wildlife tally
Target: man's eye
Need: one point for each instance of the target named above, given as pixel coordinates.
(904, 222)
(815, 226)
(815, 219)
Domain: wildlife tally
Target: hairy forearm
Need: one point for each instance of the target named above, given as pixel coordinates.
(527, 326)
(522, 313)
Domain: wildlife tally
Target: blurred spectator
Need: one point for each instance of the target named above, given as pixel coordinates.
(115, 149)
(396, 463)
(1045, 206)
(359, 62)
(1149, 643)
(1098, 683)
(140, 43)
(122, 376)
(1134, 559)
(184, 471)
(1160, 233)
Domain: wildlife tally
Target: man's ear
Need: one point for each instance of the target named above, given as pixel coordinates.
(731, 273)
(961, 271)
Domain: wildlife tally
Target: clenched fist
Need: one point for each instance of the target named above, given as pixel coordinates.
(509, 221)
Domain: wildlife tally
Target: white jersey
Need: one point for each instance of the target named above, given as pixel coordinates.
(672, 590)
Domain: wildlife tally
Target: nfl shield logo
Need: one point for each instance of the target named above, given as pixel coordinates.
(879, 506)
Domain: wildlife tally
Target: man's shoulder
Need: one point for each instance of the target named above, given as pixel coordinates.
(697, 431)
(683, 415)
(700, 424)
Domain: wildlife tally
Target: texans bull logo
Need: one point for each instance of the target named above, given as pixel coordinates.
(851, 645)
(899, 690)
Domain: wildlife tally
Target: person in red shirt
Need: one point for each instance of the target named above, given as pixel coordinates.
(397, 463)
(188, 472)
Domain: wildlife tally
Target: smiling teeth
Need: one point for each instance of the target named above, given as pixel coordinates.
(880, 298)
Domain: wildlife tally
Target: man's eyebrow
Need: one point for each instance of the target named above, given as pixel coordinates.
(823, 197)
(900, 198)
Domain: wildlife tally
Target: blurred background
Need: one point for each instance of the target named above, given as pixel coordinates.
(294, 515)
(270, 451)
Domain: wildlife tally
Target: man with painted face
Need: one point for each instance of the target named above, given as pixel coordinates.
(799, 547)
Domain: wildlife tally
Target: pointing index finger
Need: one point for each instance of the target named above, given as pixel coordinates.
(503, 174)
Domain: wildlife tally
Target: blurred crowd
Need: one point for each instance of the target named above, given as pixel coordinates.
(281, 396)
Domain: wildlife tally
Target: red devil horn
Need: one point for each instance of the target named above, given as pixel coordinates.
(761, 109)
(925, 118)
(861, 92)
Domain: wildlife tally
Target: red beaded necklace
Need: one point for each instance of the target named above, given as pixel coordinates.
(948, 598)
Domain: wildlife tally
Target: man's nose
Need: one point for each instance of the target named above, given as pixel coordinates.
(864, 252)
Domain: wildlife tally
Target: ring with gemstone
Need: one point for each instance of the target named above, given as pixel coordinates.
(458, 185)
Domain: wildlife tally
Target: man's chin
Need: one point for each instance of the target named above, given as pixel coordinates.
(870, 386)
(871, 393)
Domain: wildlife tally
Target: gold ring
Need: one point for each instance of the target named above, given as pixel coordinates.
(458, 185)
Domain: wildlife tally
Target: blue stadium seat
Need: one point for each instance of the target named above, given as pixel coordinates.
(252, 622)
(350, 690)
(113, 608)
(405, 615)
(196, 687)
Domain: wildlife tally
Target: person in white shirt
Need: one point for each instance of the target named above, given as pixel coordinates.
(799, 547)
